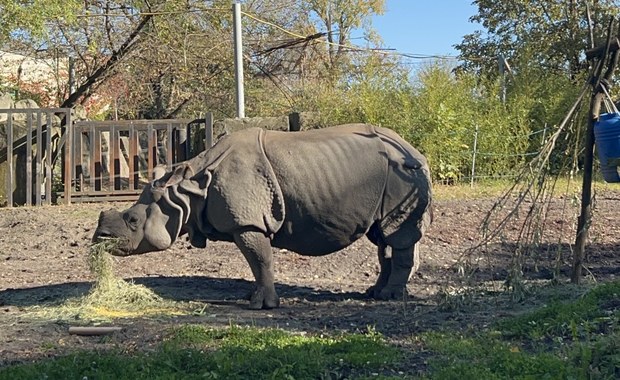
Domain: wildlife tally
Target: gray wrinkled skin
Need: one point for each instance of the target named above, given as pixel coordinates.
(312, 192)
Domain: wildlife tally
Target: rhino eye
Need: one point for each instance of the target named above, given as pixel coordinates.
(132, 221)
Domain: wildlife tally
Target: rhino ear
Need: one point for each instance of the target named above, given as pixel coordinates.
(158, 172)
(198, 185)
(182, 172)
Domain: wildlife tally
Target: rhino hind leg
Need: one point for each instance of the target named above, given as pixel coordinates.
(256, 249)
(385, 262)
(397, 266)
(403, 264)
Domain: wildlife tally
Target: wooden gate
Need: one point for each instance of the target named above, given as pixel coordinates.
(113, 160)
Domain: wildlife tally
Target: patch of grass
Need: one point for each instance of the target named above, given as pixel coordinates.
(496, 187)
(578, 339)
(197, 352)
(465, 191)
(486, 357)
(596, 311)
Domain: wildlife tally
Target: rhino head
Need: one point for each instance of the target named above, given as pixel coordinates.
(157, 219)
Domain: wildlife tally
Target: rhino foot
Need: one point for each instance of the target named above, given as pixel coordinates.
(264, 298)
(373, 291)
(387, 292)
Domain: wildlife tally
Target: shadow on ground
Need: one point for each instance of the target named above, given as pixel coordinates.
(189, 288)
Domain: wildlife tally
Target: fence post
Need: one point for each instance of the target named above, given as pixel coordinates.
(29, 127)
(68, 162)
(9, 159)
(473, 159)
(182, 147)
(294, 122)
(38, 160)
(208, 130)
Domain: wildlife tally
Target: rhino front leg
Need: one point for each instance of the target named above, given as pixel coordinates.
(256, 247)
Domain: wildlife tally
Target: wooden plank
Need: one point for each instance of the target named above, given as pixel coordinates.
(38, 160)
(117, 163)
(208, 130)
(28, 183)
(9, 159)
(90, 193)
(93, 330)
(140, 124)
(91, 152)
(95, 198)
(132, 156)
(68, 164)
(152, 151)
(185, 140)
(113, 155)
(48, 158)
(96, 159)
(169, 142)
(79, 159)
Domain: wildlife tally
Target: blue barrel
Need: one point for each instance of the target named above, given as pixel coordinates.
(607, 138)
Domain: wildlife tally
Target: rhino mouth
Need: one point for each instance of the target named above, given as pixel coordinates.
(115, 245)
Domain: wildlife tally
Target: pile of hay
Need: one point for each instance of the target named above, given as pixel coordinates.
(112, 293)
(111, 296)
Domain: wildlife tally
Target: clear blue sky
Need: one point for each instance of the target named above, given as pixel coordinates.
(425, 27)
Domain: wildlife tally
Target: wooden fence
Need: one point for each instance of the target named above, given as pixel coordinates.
(113, 160)
(91, 160)
(27, 161)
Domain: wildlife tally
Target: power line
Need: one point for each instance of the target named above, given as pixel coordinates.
(378, 50)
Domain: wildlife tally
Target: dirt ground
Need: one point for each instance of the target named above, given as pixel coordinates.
(43, 261)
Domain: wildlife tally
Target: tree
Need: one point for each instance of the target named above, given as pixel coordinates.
(29, 18)
(339, 18)
(160, 59)
(551, 34)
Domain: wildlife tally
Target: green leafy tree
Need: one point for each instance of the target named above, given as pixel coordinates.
(551, 34)
(28, 18)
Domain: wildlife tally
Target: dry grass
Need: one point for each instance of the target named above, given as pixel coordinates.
(111, 291)
(111, 296)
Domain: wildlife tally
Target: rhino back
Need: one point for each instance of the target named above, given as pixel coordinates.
(332, 181)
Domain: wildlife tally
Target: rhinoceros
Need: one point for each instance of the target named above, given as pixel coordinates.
(313, 193)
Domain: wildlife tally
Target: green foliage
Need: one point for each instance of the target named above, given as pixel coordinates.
(30, 17)
(195, 352)
(453, 114)
(550, 34)
(578, 339)
(446, 115)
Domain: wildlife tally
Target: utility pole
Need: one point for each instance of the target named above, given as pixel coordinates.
(238, 59)
(501, 61)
